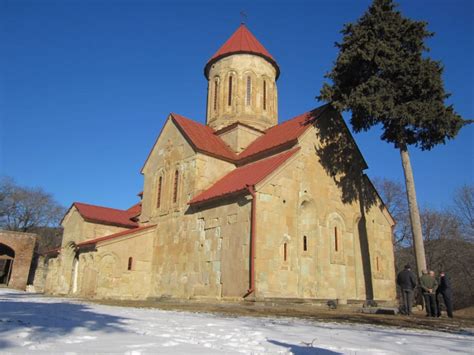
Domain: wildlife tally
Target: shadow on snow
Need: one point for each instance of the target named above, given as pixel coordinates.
(46, 320)
(303, 350)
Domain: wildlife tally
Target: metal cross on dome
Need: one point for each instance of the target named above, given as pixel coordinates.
(243, 16)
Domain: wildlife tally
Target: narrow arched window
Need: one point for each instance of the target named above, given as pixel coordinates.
(229, 99)
(305, 243)
(377, 263)
(175, 187)
(158, 193)
(264, 95)
(336, 241)
(130, 263)
(285, 251)
(249, 91)
(216, 89)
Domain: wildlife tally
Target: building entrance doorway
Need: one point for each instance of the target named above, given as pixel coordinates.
(7, 257)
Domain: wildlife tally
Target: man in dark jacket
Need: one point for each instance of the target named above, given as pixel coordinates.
(429, 285)
(406, 279)
(445, 290)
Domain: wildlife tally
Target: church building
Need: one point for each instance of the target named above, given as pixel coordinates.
(239, 208)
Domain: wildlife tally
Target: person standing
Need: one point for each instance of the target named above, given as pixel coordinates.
(429, 285)
(406, 279)
(446, 291)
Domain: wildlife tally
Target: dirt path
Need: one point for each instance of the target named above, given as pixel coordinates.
(462, 323)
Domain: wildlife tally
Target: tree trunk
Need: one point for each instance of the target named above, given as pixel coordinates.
(414, 212)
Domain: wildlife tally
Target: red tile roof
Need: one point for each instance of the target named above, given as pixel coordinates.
(135, 210)
(238, 179)
(106, 215)
(276, 139)
(242, 41)
(203, 138)
(115, 235)
(283, 135)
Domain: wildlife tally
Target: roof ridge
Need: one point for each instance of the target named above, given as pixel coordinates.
(238, 179)
(115, 235)
(104, 215)
(281, 134)
(178, 115)
(248, 39)
(98, 206)
(212, 144)
(272, 141)
(135, 204)
(273, 156)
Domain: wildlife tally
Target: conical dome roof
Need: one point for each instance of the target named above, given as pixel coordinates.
(242, 41)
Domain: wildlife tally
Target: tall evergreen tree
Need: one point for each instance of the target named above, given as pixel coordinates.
(382, 78)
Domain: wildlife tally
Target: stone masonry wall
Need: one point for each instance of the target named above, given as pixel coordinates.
(204, 253)
(76, 229)
(105, 273)
(23, 245)
(301, 208)
(255, 113)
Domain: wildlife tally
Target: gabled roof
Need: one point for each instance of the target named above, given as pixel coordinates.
(276, 139)
(202, 138)
(106, 215)
(115, 235)
(135, 210)
(242, 41)
(283, 135)
(239, 179)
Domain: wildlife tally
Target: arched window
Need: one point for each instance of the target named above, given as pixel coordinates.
(335, 242)
(175, 187)
(249, 91)
(305, 243)
(264, 95)
(377, 263)
(158, 193)
(229, 99)
(216, 89)
(130, 263)
(285, 251)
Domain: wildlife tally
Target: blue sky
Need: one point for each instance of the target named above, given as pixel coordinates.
(86, 85)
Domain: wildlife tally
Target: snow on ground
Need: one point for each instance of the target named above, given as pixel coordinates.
(32, 323)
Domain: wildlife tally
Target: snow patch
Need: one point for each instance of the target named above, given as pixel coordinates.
(31, 323)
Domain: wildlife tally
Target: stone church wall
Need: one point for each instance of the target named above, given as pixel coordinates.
(197, 171)
(171, 153)
(77, 230)
(301, 208)
(204, 253)
(119, 269)
(73, 225)
(190, 245)
(103, 271)
(60, 270)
